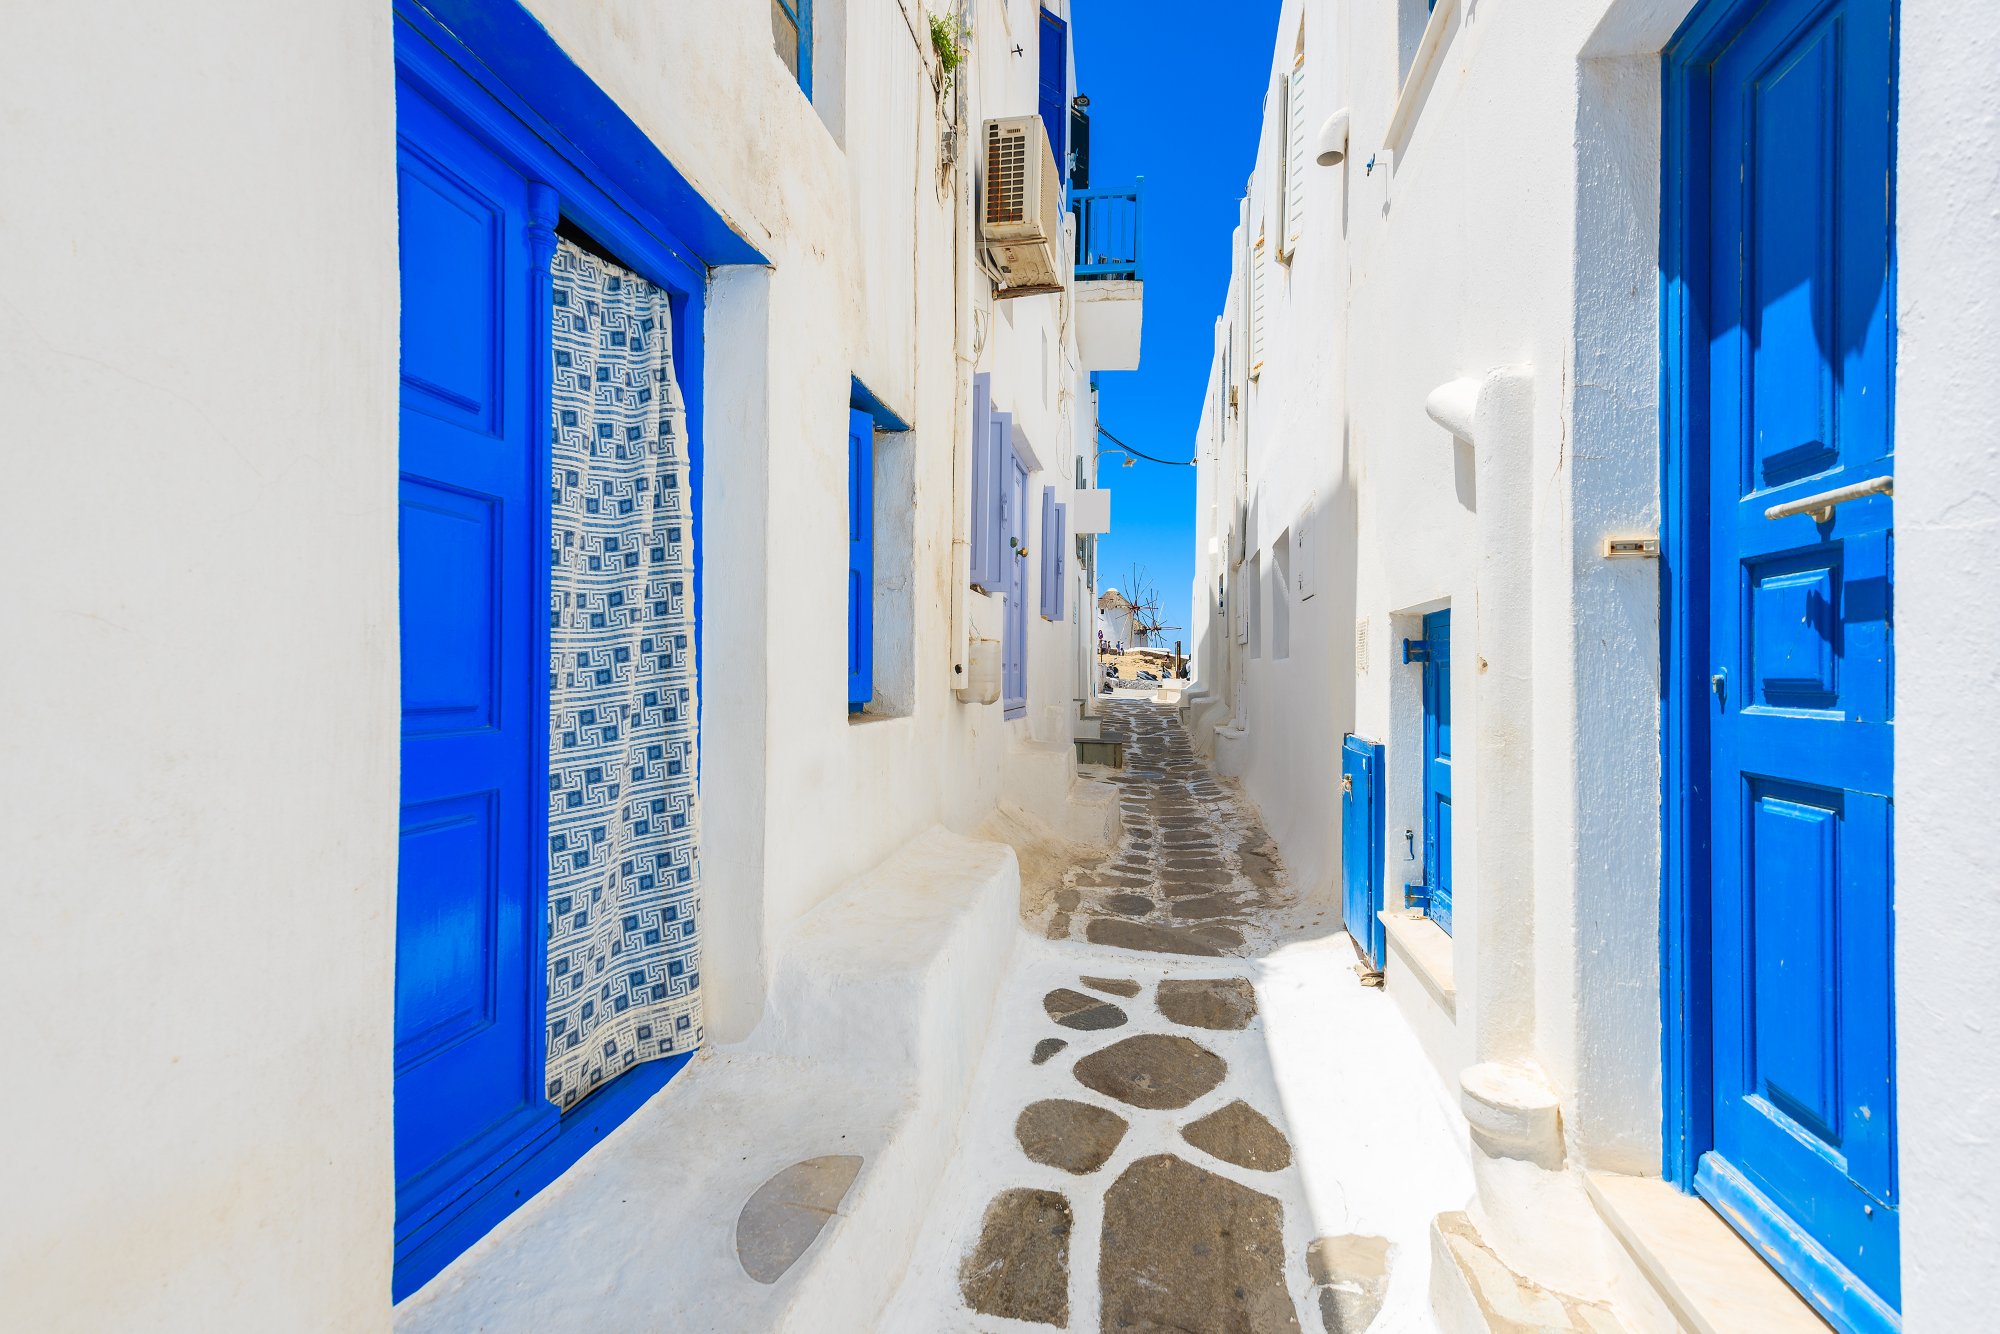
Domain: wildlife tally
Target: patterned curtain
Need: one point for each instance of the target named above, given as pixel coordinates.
(624, 822)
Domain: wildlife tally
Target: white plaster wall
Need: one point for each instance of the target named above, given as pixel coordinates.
(1947, 680)
(1517, 224)
(199, 359)
(198, 757)
(1455, 254)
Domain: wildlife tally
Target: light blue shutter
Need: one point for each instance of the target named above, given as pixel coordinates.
(1061, 547)
(1051, 605)
(990, 557)
(860, 559)
(980, 526)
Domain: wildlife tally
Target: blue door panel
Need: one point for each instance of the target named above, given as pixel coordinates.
(448, 846)
(450, 623)
(452, 319)
(1361, 868)
(1791, 134)
(1437, 768)
(468, 922)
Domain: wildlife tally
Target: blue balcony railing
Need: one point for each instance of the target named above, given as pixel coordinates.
(1107, 231)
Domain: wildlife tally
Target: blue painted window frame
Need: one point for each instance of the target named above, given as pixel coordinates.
(1686, 889)
(866, 409)
(800, 12)
(470, 57)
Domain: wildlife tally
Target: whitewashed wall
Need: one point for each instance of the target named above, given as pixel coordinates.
(199, 755)
(200, 767)
(1948, 663)
(1514, 227)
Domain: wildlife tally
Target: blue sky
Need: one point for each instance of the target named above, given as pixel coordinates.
(1176, 93)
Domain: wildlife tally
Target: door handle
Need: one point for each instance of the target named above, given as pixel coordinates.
(1347, 784)
(1820, 505)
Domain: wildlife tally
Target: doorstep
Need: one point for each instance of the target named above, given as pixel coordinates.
(1425, 949)
(1710, 1279)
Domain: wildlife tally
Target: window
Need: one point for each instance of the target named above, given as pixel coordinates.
(1257, 306)
(1281, 596)
(1411, 18)
(1292, 172)
(881, 559)
(791, 30)
(860, 559)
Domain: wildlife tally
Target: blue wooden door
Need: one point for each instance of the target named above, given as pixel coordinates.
(1437, 768)
(1795, 157)
(468, 912)
(1014, 638)
(1361, 844)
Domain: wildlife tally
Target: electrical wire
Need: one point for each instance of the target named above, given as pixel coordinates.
(1172, 463)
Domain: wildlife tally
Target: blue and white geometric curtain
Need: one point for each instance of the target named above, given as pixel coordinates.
(624, 822)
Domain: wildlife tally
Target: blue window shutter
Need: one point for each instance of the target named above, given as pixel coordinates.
(1055, 88)
(989, 520)
(1051, 595)
(980, 528)
(1061, 549)
(860, 559)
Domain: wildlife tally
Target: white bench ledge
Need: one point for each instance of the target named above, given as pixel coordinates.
(1710, 1278)
(1425, 949)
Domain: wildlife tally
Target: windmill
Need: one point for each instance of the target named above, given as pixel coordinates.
(1147, 625)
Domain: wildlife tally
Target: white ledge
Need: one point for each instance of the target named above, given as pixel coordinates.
(1425, 949)
(1452, 406)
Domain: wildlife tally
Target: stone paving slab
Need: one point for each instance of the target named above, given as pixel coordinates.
(1185, 1249)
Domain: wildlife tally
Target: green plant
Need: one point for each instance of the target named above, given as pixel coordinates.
(948, 34)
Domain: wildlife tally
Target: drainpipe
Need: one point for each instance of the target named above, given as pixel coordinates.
(965, 363)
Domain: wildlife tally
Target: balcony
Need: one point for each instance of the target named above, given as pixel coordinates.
(1110, 287)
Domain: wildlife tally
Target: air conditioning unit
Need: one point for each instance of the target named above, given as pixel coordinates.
(1020, 216)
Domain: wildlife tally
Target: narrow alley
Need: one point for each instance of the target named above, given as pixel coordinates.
(1000, 666)
(1190, 1114)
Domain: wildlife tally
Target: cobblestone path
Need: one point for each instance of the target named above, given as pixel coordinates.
(1127, 1163)
(1194, 872)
